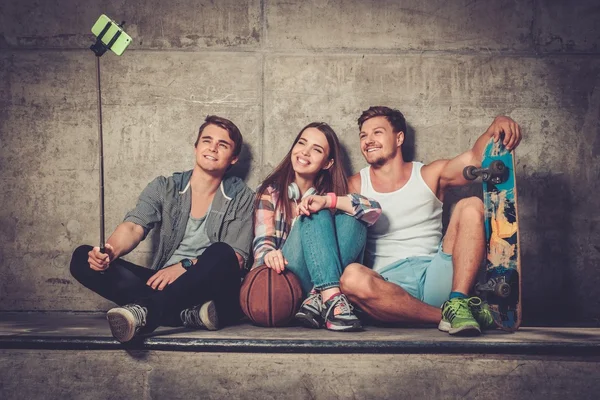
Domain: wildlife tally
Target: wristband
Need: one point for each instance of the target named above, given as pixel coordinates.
(332, 200)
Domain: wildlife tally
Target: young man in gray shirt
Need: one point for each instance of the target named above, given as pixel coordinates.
(205, 236)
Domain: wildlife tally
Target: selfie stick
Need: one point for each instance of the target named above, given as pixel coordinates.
(99, 48)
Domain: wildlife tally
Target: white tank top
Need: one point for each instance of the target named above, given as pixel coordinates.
(410, 223)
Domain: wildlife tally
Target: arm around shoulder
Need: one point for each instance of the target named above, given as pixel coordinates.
(355, 204)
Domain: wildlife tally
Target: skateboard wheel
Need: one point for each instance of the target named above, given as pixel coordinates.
(503, 289)
(469, 173)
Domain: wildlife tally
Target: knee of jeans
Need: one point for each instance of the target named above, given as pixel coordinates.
(352, 238)
(124, 285)
(82, 250)
(351, 225)
(324, 214)
(220, 248)
(360, 234)
(316, 224)
(79, 260)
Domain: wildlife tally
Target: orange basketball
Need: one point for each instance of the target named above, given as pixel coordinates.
(269, 298)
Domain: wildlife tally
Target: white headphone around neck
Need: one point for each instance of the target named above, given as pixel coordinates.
(294, 192)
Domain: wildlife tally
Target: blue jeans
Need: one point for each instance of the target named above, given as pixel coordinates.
(321, 245)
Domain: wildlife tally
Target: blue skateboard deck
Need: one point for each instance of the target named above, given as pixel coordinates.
(502, 286)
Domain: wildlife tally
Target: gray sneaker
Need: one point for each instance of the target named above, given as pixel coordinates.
(126, 321)
(202, 316)
(338, 315)
(309, 313)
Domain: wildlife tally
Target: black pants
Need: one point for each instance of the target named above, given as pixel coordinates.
(216, 276)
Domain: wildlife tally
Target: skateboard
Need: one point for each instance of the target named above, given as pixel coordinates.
(502, 286)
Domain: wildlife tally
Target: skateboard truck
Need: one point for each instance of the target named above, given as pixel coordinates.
(496, 285)
(497, 172)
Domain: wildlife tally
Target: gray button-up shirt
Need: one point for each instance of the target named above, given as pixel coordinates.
(168, 202)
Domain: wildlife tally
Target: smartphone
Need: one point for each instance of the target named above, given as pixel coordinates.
(111, 34)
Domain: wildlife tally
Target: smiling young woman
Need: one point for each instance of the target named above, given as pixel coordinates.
(306, 222)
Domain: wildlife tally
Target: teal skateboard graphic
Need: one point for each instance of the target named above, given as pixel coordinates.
(502, 286)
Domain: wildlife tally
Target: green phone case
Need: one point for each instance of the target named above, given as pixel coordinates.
(119, 45)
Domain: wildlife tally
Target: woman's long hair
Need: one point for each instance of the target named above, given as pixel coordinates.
(327, 180)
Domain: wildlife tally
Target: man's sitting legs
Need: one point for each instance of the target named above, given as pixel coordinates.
(465, 240)
(206, 295)
(122, 283)
(383, 300)
(463, 250)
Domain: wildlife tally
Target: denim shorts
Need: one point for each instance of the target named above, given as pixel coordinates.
(427, 278)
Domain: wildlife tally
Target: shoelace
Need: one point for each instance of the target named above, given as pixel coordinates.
(475, 301)
(458, 308)
(139, 313)
(314, 299)
(191, 317)
(478, 309)
(344, 306)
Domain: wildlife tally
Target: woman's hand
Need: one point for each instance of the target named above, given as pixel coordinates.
(275, 260)
(312, 204)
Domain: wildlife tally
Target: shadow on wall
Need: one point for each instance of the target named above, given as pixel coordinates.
(546, 273)
(346, 164)
(560, 274)
(241, 169)
(546, 256)
(408, 147)
(454, 194)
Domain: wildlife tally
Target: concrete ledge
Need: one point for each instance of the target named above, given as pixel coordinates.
(72, 355)
(120, 374)
(89, 331)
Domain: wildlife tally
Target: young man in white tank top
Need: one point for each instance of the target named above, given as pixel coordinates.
(410, 270)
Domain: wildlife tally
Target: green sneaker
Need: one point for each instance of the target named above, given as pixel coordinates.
(457, 318)
(481, 312)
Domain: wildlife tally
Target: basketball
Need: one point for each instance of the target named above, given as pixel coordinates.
(268, 298)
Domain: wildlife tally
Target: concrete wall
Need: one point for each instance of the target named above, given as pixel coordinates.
(184, 375)
(272, 66)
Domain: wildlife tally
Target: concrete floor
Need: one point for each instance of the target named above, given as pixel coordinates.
(20, 329)
(73, 356)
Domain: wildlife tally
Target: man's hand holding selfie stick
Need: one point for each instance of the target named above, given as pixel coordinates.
(109, 36)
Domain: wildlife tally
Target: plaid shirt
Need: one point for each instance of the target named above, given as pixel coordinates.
(271, 229)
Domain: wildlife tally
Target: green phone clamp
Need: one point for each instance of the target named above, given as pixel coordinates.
(99, 48)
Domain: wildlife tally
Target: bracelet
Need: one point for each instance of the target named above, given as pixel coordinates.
(332, 200)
